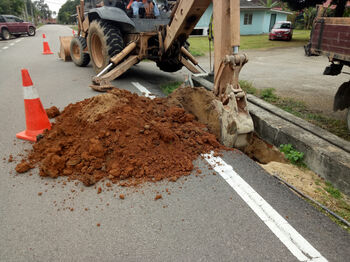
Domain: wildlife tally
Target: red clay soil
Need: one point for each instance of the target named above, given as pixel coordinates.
(123, 137)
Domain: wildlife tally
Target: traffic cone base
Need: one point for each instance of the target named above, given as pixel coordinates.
(47, 50)
(29, 135)
(36, 117)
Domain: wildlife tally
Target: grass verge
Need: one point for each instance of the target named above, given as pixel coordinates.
(299, 109)
(199, 46)
(168, 88)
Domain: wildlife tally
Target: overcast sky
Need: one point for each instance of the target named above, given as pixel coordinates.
(55, 5)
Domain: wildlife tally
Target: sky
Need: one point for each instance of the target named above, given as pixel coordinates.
(55, 5)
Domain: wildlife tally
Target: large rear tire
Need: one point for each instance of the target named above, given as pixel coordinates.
(170, 65)
(104, 41)
(77, 47)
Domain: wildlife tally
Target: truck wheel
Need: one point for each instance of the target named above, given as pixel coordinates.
(5, 34)
(348, 119)
(77, 47)
(104, 41)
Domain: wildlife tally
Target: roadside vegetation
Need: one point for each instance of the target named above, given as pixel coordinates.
(199, 46)
(299, 109)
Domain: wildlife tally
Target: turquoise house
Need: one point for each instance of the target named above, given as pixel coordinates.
(255, 18)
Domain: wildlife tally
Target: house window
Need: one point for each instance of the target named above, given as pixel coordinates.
(248, 19)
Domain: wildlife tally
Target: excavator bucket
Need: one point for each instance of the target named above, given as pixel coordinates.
(64, 53)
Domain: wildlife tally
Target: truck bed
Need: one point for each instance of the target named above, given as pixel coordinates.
(331, 37)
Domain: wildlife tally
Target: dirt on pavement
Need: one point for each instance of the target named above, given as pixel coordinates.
(121, 137)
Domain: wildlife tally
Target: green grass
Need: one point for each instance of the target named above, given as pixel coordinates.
(332, 191)
(168, 88)
(294, 156)
(199, 46)
(299, 109)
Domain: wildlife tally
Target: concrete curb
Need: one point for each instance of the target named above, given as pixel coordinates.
(325, 154)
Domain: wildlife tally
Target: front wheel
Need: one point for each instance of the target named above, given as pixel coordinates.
(5, 34)
(31, 31)
(77, 47)
(104, 41)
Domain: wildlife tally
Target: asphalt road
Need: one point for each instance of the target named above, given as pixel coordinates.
(239, 214)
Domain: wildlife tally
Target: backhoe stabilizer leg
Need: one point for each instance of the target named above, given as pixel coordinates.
(236, 122)
(103, 83)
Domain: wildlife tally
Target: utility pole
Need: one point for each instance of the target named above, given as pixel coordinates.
(25, 10)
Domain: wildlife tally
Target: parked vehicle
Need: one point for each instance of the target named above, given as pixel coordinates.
(330, 36)
(13, 25)
(281, 30)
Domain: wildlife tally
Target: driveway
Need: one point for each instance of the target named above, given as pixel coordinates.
(293, 75)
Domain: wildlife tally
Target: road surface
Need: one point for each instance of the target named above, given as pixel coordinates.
(236, 212)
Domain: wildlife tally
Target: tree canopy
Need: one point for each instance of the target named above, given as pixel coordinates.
(34, 9)
(301, 4)
(66, 11)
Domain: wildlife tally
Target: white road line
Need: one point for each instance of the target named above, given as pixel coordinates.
(12, 44)
(5, 47)
(18, 40)
(296, 244)
(143, 89)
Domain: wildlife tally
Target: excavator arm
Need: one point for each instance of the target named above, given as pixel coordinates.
(236, 123)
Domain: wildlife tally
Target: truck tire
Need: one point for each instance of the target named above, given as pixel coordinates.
(77, 47)
(104, 41)
(5, 34)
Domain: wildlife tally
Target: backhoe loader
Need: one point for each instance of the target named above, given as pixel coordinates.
(115, 41)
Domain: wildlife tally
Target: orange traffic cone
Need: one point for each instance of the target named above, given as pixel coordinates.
(47, 50)
(36, 117)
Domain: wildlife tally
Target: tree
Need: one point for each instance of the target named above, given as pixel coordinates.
(43, 8)
(11, 7)
(299, 5)
(66, 11)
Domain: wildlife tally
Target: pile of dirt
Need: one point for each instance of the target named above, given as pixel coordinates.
(122, 137)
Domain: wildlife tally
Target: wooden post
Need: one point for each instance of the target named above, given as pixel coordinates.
(235, 22)
(222, 29)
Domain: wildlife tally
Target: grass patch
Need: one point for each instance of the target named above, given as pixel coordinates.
(199, 45)
(168, 88)
(299, 109)
(248, 87)
(294, 156)
(332, 191)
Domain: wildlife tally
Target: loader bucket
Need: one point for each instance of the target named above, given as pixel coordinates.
(65, 48)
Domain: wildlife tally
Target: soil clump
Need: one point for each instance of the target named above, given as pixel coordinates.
(122, 137)
(52, 112)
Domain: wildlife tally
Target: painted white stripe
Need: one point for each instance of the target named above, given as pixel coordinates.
(18, 40)
(5, 47)
(30, 92)
(12, 44)
(143, 89)
(296, 244)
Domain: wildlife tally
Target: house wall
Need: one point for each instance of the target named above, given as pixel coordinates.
(257, 22)
(260, 23)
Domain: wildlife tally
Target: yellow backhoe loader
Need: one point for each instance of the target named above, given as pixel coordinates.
(115, 39)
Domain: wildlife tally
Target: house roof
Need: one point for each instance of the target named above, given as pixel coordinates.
(252, 4)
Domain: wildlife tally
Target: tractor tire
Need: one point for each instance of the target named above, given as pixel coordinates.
(170, 65)
(104, 41)
(77, 47)
(5, 34)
